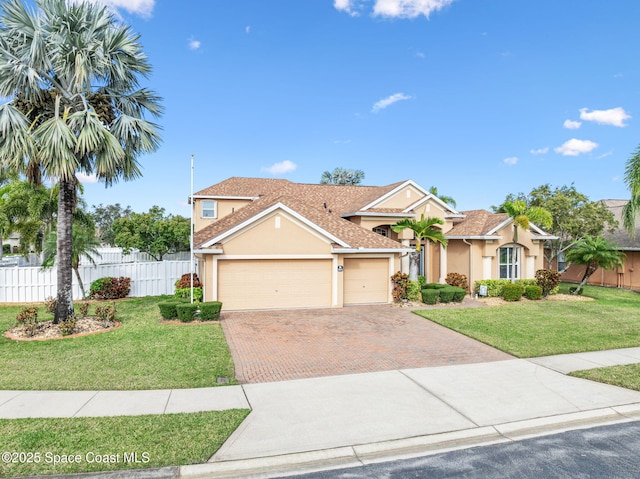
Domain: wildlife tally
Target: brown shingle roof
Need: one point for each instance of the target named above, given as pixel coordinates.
(320, 204)
(477, 223)
(621, 236)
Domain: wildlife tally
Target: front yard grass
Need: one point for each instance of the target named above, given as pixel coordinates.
(627, 376)
(141, 354)
(542, 328)
(109, 443)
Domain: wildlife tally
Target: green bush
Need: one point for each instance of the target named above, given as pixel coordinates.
(110, 288)
(430, 296)
(494, 286)
(447, 294)
(533, 292)
(210, 311)
(186, 311)
(435, 286)
(458, 294)
(422, 280)
(457, 279)
(512, 292)
(413, 291)
(6, 248)
(168, 309)
(185, 293)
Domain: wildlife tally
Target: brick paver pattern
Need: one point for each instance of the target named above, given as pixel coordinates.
(294, 344)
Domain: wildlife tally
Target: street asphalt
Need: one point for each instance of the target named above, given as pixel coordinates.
(351, 420)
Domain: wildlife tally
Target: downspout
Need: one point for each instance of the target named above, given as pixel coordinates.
(470, 264)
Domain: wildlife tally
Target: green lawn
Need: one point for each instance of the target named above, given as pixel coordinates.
(142, 354)
(157, 441)
(541, 328)
(627, 376)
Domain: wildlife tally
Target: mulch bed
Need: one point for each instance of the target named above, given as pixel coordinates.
(47, 330)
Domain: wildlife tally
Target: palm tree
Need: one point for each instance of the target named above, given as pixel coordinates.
(84, 245)
(422, 230)
(73, 71)
(342, 176)
(594, 253)
(632, 179)
(447, 199)
(522, 216)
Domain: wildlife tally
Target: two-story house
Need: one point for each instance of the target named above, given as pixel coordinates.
(271, 243)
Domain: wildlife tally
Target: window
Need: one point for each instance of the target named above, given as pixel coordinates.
(208, 209)
(506, 263)
(381, 231)
(562, 262)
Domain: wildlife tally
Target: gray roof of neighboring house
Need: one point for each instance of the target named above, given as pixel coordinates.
(621, 236)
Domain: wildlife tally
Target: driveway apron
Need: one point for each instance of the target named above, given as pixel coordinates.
(295, 344)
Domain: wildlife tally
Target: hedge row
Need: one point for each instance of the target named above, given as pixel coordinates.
(186, 312)
(495, 286)
(444, 293)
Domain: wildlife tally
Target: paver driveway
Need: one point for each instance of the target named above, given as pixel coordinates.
(294, 344)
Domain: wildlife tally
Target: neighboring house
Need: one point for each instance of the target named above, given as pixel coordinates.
(270, 243)
(626, 276)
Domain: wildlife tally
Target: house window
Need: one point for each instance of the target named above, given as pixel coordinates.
(508, 269)
(208, 209)
(562, 262)
(381, 231)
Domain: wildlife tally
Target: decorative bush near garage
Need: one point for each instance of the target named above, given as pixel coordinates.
(210, 311)
(186, 311)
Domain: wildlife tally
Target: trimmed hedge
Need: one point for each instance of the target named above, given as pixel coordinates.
(494, 286)
(210, 311)
(435, 286)
(533, 292)
(458, 294)
(512, 292)
(168, 309)
(446, 295)
(430, 296)
(186, 311)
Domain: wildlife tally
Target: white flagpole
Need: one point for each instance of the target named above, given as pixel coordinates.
(192, 203)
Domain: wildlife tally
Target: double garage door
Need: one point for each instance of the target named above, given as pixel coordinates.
(300, 283)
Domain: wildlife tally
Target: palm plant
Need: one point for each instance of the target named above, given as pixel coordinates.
(422, 230)
(447, 199)
(84, 245)
(72, 70)
(522, 216)
(342, 176)
(632, 179)
(594, 253)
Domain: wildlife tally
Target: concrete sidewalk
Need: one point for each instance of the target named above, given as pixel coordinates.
(354, 419)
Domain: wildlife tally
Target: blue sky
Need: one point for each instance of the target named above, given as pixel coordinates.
(480, 98)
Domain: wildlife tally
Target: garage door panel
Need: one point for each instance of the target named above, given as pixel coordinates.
(274, 284)
(366, 280)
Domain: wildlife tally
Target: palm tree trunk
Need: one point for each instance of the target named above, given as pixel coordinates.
(414, 258)
(591, 268)
(66, 204)
(80, 283)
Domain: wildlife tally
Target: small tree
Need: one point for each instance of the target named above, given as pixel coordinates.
(342, 176)
(594, 253)
(423, 230)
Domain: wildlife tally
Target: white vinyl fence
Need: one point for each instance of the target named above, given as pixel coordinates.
(32, 284)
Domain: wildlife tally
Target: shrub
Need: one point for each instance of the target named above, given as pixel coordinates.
(400, 286)
(458, 294)
(168, 309)
(210, 311)
(185, 293)
(512, 292)
(494, 286)
(28, 319)
(110, 288)
(50, 305)
(84, 309)
(106, 313)
(413, 291)
(435, 286)
(6, 248)
(430, 296)
(457, 279)
(446, 294)
(548, 280)
(68, 326)
(533, 292)
(186, 311)
(185, 281)
(422, 280)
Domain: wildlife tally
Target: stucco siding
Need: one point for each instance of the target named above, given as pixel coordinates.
(402, 198)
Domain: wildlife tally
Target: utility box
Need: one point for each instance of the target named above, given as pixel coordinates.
(483, 290)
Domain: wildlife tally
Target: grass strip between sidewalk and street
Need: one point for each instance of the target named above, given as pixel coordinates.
(142, 353)
(627, 376)
(543, 328)
(112, 443)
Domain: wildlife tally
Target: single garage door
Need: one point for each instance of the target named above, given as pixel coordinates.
(274, 284)
(366, 280)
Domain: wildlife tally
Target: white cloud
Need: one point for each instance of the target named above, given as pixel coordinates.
(512, 160)
(575, 147)
(540, 151)
(143, 8)
(390, 100)
(281, 168)
(194, 44)
(82, 178)
(613, 116)
(408, 8)
(347, 6)
(572, 124)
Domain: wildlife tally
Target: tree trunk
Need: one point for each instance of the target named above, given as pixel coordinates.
(587, 274)
(80, 283)
(66, 204)
(414, 257)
